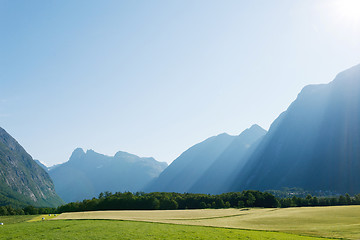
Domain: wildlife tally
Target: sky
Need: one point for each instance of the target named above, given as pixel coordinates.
(153, 78)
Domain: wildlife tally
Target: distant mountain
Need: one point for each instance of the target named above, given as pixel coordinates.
(208, 166)
(41, 165)
(22, 181)
(314, 145)
(88, 174)
(222, 171)
(53, 166)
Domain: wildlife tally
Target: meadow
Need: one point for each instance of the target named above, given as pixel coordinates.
(254, 223)
(332, 222)
(15, 219)
(110, 229)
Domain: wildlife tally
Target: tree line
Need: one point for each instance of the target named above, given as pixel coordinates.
(29, 210)
(169, 201)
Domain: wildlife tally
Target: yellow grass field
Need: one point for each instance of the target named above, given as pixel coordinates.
(40, 217)
(336, 221)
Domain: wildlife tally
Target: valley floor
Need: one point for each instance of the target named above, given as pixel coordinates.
(333, 222)
(110, 229)
(290, 223)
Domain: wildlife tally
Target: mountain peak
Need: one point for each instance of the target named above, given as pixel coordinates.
(121, 154)
(77, 153)
(314, 144)
(256, 127)
(207, 166)
(255, 130)
(85, 175)
(223, 135)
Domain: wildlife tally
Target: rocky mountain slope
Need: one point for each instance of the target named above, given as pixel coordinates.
(22, 181)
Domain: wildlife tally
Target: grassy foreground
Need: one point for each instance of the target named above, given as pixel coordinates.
(331, 222)
(255, 223)
(16, 219)
(108, 229)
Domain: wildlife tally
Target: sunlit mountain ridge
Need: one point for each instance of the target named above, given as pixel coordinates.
(314, 144)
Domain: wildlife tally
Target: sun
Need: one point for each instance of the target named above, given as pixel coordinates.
(348, 10)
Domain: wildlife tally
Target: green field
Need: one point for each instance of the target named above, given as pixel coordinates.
(110, 229)
(332, 222)
(15, 219)
(276, 223)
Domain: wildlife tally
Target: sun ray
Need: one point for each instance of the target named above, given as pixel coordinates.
(348, 10)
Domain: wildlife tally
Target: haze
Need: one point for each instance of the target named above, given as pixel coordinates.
(155, 77)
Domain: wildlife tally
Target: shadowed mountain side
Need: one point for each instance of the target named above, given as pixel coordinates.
(216, 178)
(315, 144)
(41, 165)
(198, 164)
(180, 175)
(22, 181)
(86, 175)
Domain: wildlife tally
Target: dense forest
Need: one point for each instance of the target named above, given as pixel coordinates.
(29, 210)
(168, 201)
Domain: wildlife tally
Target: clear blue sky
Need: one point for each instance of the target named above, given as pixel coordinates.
(155, 77)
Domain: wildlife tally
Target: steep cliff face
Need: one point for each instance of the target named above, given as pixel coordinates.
(22, 180)
(315, 144)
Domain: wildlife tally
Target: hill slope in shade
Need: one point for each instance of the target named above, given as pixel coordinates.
(315, 144)
(22, 181)
(208, 166)
(88, 174)
(42, 165)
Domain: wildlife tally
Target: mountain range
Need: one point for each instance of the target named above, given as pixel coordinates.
(89, 173)
(208, 166)
(314, 144)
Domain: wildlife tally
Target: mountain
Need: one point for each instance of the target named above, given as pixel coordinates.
(208, 166)
(53, 167)
(314, 144)
(41, 165)
(88, 174)
(22, 181)
(216, 178)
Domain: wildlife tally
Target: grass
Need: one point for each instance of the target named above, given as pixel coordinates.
(40, 217)
(290, 223)
(15, 219)
(331, 222)
(109, 229)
